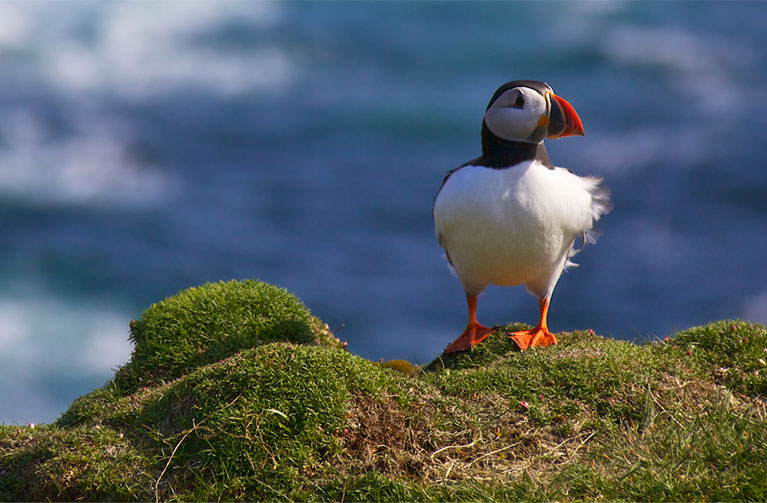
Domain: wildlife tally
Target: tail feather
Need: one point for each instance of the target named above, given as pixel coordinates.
(600, 205)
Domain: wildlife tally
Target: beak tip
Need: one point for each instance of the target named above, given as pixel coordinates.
(572, 123)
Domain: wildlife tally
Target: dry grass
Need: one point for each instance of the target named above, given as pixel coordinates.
(443, 440)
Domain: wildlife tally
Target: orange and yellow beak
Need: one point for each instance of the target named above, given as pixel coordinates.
(563, 120)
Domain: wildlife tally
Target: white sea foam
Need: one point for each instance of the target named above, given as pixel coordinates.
(13, 329)
(698, 65)
(668, 47)
(45, 339)
(56, 332)
(90, 166)
(15, 26)
(142, 49)
(107, 346)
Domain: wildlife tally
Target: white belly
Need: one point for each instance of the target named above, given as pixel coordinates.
(512, 226)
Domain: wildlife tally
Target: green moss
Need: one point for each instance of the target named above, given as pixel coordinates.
(267, 414)
(236, 392)
(206, 324)
(61, 464)
(583, 373)
(374, 486)
(401, 366)
(264, 414)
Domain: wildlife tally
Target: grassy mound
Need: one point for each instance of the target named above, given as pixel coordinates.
(257, 419)
(206, 324)
(251, 408)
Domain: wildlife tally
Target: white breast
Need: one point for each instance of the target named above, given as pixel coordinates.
(514, 226)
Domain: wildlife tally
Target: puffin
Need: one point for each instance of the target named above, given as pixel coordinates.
(510, 217)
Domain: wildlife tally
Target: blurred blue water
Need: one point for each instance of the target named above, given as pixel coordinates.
(146, 148)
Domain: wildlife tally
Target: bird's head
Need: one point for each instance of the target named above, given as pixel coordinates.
(529, 111)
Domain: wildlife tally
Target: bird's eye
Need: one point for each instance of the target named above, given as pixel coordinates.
(519, 102)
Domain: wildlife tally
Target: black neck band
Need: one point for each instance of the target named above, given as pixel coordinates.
(500, 153)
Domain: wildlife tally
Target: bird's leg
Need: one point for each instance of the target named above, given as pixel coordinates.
(474, 333)
(538, 336)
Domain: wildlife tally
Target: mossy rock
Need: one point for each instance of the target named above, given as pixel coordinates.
(206, 324)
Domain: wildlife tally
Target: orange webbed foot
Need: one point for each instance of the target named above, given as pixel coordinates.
(473, 335)
(534, 337)
(538, 336)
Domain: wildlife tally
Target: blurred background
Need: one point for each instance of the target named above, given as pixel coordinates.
(149, 147)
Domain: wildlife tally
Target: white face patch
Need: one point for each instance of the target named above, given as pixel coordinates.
(514, 115)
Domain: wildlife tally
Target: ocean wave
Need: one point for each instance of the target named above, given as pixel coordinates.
(91, 166)
(701, 66)
(15, 27)
(55, 333)
(45, 339)
(624, 153)
(140, 49)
